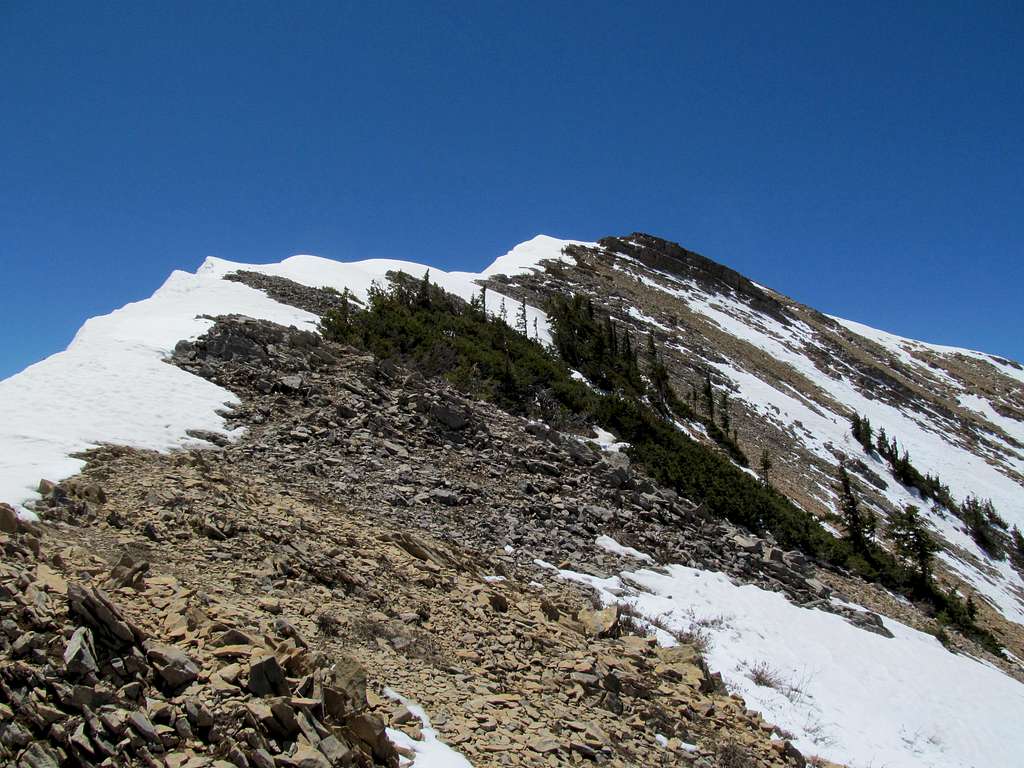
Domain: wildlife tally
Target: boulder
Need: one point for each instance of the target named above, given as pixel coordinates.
(344, 689)
(172, 664)
(266, 678)
(79, 653)
(448, 416)
(8, 519)
(599, 623)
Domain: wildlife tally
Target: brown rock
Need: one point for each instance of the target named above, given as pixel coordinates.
(344, 689)
(599, 623)
(173, 665)
(266, 678)
(8, 519)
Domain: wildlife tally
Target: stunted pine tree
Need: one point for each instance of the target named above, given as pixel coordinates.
(862, 432)
(658, 372)
(709, 396)
(423, 291)
(860, 525)
(765, 466)
(521, 323)
(914, 545)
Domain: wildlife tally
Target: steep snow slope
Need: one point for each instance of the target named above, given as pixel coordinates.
(111, 386)
(795, 377)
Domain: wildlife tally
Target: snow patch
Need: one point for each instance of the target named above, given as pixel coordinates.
(609, 544)
(430, 751)
(846, 694)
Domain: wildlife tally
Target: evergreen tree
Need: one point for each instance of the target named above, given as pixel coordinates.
(709, 396)
(503, 312)
(344, 310)
(882, 442)
(423, 291)
(860, 526)
(979, 516)
(521, 324)
(659, 374)
(862, 431)
(536, 333)
(724, 408)
(765, 466)
(913, 544)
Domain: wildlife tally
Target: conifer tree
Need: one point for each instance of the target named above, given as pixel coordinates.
(765, 466)
(709, 396)
(521, 324)
(724, 408)
(913, 544)
(503, 312)
(345, 311)
(423, 291)
(860, 526)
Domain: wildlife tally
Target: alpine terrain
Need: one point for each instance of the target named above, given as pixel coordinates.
(603, 503)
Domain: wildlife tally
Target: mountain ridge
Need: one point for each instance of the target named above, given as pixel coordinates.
(187, 372)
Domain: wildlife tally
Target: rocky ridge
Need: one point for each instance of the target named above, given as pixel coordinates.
(376, 527)
(215, 606)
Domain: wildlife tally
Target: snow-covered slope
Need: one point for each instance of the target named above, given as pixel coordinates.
(112, 386)
(845, 694)
(796, 376)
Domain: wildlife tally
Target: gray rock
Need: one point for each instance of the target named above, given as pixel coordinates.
(142, 726)
(172, 664)
(40, 755)
(450, 417)
(80, 654)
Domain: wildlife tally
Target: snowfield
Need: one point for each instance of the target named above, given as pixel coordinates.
(844, 693)
(111, 385)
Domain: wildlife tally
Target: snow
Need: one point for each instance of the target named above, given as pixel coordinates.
(609, 544)
(430, 751)
(636, 314)
(526, 257)
(607, 441)
(983, 407)
(845, 694)
(821, 424)
(359, 276)
(112, 385)
(900, 346)
(931, 450)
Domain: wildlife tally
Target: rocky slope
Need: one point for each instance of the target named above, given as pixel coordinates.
(336, 539)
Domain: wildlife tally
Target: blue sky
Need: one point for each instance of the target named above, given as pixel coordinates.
(864, 158)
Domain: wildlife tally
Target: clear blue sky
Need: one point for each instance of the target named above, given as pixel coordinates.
(867, 159)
